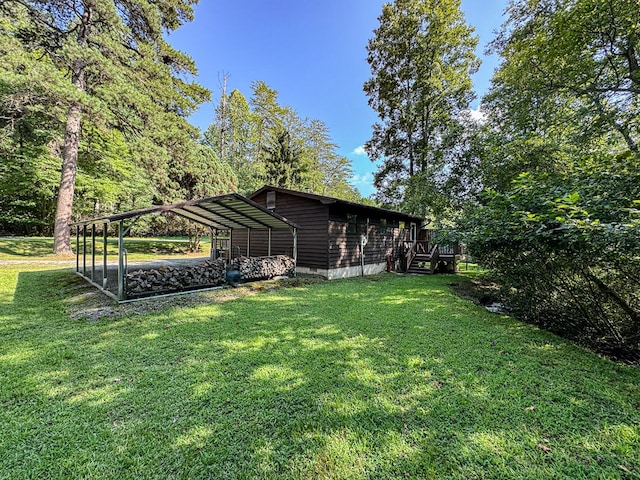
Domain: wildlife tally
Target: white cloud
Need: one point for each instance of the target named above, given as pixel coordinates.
(359, 151)
(366, 179)
(364, 183)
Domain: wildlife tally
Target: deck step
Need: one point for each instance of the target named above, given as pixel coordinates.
(414, 268)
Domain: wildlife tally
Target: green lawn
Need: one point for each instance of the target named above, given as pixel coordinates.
(41, 248)
(383, 377)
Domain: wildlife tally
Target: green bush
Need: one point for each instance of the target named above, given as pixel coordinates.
(566, 248)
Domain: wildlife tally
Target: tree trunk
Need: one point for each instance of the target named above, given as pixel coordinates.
(64, 209)
(224, 120)
(62, 233)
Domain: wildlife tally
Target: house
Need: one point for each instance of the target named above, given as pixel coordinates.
(335, 238)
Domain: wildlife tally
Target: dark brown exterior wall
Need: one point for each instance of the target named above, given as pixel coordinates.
(323, 241)
(312, 218)
(344, 248)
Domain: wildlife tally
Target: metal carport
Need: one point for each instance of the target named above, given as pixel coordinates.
(224, 212)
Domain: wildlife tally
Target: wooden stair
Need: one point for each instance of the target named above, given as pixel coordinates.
(420, 264)
(426, 256)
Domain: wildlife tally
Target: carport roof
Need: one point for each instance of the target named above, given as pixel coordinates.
(223, 212)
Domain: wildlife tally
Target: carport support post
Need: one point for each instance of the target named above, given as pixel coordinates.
(77, 248)
(269, 245)
(248, 242)
(214, 243)
(84, 250)
(93, 252)
(104, 255)
(121, 261)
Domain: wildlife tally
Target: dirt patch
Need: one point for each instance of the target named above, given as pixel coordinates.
(84, 302)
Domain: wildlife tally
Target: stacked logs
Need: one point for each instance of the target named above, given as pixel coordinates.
(175, 278)
(264, 268)
(211, 273)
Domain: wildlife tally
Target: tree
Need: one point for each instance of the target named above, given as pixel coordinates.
(108, 61)
(240, 126)
(559, 224)
(565, 247)
(259, 135)
(203, 174)
(268, 116)
(109, 179)
(421, 59)
(330, 172)
(283, 161)
(566, 91)
(108, 176)
(569, 83)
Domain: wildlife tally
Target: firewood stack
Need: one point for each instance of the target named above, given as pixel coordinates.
(264, 268)
(174, 279)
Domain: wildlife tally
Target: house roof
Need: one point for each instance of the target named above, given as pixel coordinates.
(334, 201)
(222, 212)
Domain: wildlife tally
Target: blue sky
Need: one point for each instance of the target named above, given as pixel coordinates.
(313, 53)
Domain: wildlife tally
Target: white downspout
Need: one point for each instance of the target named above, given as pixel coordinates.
(364, 239)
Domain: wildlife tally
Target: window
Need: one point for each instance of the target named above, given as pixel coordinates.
(383, 225)
(352, 223)
(271, 200)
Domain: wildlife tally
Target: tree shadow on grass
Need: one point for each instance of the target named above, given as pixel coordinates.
(393, 378)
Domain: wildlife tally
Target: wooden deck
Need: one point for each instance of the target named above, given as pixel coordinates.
(427, 257)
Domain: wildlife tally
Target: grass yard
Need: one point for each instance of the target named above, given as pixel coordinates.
(41, 248)
(383, 377)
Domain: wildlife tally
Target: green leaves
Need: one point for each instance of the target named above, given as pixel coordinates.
(567, 250)
(560, 226)
(283, 164)
(421, 59)
(570, 67)
(130, 92)
(264, 141)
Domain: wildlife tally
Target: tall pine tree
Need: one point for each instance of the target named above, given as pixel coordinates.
(266, 142)
(107, 60)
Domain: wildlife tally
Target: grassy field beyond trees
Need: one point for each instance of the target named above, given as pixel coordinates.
(380, 377)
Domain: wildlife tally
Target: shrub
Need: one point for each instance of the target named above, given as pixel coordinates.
(566, 248)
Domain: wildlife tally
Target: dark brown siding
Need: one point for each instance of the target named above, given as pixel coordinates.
(323, 241)
(311, 217)
(281, 242)
(344, 248)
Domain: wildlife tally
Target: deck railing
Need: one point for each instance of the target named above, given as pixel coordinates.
(427, 246)
(411, 253)
(414, 248)
(435, 257)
